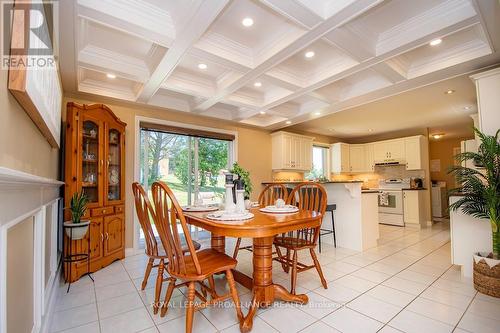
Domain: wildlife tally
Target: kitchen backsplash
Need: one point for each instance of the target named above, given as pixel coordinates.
(370, 180)
(288, 176)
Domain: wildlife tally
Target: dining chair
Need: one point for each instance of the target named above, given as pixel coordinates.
(155, 251)
(191, 267)
(268, 196)
(310, 197)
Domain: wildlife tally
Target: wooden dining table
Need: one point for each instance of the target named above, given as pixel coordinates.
(261, 228)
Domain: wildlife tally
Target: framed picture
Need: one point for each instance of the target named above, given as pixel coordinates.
(33, 72)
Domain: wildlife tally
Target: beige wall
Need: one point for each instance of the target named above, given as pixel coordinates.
(20, 277)
(443, 150)
(254, 145)
(22, 145)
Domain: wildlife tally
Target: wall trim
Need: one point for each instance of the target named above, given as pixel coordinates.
(23, 195)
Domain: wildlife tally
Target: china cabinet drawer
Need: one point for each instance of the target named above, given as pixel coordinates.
(102, 211)
(119, 209)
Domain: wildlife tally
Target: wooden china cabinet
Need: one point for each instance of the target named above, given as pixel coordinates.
(95, 164)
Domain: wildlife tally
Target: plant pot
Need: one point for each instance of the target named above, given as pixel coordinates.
(486, 274)
(76, 231)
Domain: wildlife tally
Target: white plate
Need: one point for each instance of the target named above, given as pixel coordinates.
(224, 216)
(200, 208)
(274, 209)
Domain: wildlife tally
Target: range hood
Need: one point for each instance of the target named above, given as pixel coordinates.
(390, 163)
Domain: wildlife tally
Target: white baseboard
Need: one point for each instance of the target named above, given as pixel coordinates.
(52, 298)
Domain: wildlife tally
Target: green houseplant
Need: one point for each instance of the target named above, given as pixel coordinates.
(480, 198)
(245, 176)
(77, 228)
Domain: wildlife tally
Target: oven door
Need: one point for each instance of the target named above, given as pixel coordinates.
(390, 202)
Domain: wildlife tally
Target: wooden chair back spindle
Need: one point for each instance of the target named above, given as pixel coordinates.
(169, 216)
(271, 193)
(145, 214)
(310, 197)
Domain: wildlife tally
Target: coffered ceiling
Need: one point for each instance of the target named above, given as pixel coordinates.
(299, 60)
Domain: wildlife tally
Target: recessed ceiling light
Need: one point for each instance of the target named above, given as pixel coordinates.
(438, 136)
(202, 66)
(449, 91)
(247, 22)
(288, 122)
(370, 130)
(262, 112)
(467, 108)
(257, 84)
(435, 42)
(317, 113)
(309, 54)
(111, 76)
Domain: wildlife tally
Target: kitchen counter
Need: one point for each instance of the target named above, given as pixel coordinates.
(325, 182)
(370, 191)
(415, 189)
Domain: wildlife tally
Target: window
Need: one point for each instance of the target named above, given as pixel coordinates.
(320, 163)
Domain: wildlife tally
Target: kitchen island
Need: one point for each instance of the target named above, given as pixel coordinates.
(356, 214)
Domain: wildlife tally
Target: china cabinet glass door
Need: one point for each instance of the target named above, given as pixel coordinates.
(114, 165)
(90, 160)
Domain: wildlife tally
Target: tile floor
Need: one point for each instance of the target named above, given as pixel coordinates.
(406, 284)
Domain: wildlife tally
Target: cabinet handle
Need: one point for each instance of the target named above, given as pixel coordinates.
(107, 236)
(104, 211)
(102, 238)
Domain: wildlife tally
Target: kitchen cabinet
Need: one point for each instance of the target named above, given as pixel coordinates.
(369, 158)
(340, 161)
(413, 207)
(389, 151)
(291, 151)
(414, 152)
(357, 158)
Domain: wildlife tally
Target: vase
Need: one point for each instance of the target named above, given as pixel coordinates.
(486, 274)
(76, 231)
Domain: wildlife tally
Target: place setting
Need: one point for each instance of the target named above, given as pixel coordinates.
(279, 207)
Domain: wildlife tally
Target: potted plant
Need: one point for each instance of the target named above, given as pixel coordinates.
(245, 176)
(77, 228)
(480, 190)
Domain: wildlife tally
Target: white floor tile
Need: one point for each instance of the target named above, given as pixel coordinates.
(411, 322)
(416, 277)
(319, 327)
(485, 309)
(68, 301)
(338, 293)
(477, 324)
(115, 290)
(447, 297)
(347, 320)
(390, 295)
(406, 286)
(120, 304)
(455, 287)
(74, 317)
(444, 313)
(319, 306)
(389, 329)
(287, 318)
(374, 308)
(356, 283)
(133, 321)
(372, 276)
(223, 316)
(87, 328)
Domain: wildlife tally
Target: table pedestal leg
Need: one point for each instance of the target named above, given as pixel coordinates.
(218, 243)
(264, 290)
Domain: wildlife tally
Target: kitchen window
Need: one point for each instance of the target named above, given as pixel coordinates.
(320, 163)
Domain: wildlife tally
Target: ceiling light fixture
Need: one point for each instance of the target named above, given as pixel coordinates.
(467, 108)
(370, 130)
(111, 76)
(438, 136)
(309, 54)
(262, 112)
(202, 66)
(257, 84)
(449, 91)
(288, 122)
(247, 22)
(435, 42)
(317, 113)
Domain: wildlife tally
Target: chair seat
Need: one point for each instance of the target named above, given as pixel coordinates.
(211, 262)
(162, 253)
(292, 242)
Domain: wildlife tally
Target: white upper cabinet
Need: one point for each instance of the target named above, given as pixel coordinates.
(369, 157)
(291, 152)
(415, 152)
(389, 151)
(357, 158)
(340, 158)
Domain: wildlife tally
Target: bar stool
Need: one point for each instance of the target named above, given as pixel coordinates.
(323, 232)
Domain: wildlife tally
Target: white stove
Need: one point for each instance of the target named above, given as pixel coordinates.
(390, 201)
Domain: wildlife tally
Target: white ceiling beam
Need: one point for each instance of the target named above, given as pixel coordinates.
(202, 17)
(367, 64)
(345, 15)
(389, 72)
